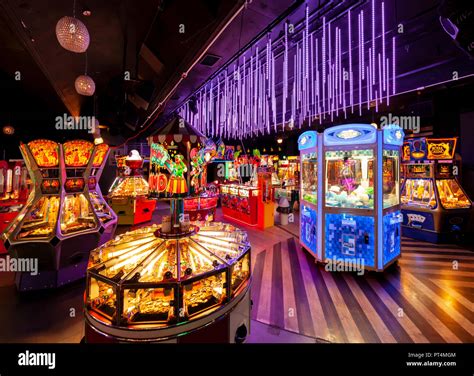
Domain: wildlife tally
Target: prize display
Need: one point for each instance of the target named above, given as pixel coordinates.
(65, 215)
(129, 191)
(435, 207)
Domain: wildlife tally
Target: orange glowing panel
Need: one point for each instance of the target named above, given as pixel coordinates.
(406, 152)
(441, 148)
(45, 152)
(77, 153)
(100, 153)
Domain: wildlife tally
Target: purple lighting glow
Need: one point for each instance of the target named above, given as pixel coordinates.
(289, 81)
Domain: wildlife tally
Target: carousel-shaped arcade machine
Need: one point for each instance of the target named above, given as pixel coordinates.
(65, 215)
(174, 282)
(128, 193)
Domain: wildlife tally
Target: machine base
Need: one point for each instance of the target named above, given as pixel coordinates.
(231, 326)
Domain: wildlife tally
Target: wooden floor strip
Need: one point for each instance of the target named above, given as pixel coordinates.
(401, 296)
(381, 329)
(388, 317)
(276, 313)
(257, 276)
(289, 303)
(335, 327)
(350, 328)
(305, 321)
(437, 257)
(426, 310)
(464, 300)
(264, 306)
(394, 307)
(357, 312)
(315, 307)
(453, 312)
(438, 264)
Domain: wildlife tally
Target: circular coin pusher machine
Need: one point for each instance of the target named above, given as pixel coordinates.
(361, 214)
(180, 282)
(66, 215)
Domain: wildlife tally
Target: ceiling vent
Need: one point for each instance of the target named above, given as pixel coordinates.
(210, 60)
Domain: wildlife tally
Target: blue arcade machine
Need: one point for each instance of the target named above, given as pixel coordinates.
(361, 217)
(309, 144)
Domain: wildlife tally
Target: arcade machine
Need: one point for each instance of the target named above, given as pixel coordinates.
(14, 189)
(240, 202)
(266, 204)
(128, 194)
(202, 207)
(435, 207)
(180, 281)
(59, 224)
(309, 144)
(361, 208)
(289, 176)
(150, 285)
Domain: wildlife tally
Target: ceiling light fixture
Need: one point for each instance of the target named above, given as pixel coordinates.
(84, 84)
(72, 34)
(279, 140)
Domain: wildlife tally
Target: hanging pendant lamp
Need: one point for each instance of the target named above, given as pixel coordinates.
(84, 84)
(72, 34)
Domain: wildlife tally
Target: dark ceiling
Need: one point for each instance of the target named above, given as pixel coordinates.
(143, 38)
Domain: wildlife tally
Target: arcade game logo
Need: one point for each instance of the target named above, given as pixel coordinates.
(441, 148)
(415, 218)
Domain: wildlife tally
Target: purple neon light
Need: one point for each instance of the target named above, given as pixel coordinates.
(243, 101)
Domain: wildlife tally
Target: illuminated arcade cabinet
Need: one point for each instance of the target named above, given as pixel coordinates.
(65, 215)
(435, 207)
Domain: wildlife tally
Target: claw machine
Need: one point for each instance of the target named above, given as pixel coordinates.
(59, 223)
(309, 144)
(361, 208)
(435, 207)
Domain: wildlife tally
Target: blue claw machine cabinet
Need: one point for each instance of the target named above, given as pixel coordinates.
(309, 144)
(361, 208)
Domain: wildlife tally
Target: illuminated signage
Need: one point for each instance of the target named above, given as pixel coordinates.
(441, 148)
(347, 134)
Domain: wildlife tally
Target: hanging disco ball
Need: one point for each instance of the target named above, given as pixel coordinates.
(85, 85)
(72, 34)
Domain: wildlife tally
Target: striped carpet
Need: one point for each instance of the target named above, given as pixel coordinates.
(427, 297)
